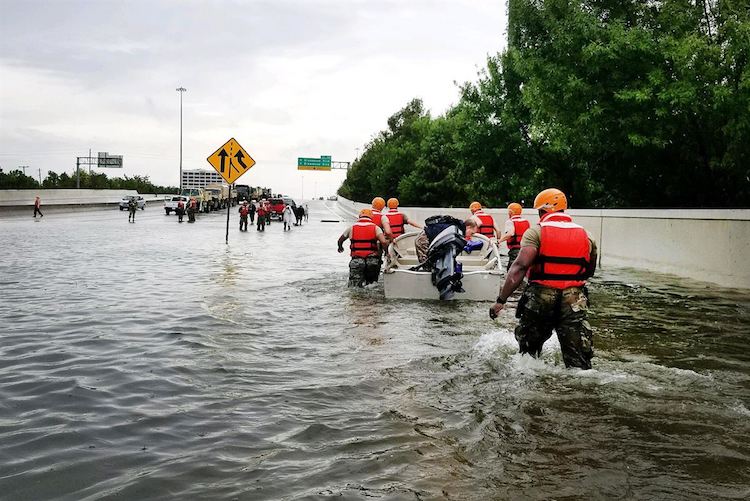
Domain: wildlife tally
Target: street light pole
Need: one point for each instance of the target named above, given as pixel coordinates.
(181, 90)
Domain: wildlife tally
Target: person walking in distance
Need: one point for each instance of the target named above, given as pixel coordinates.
(252, 211)
(261, 217)
(38, 207)
(559, 256)
(366, 241)
(180, 210)
(244, 213)
(132, 208)
(191, 210)
(514, 229)
(287, 216)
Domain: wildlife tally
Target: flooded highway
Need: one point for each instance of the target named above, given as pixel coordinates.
(153, 361)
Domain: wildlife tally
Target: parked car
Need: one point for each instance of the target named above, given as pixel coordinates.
(126, 200)
(170, 204)
(333, 197)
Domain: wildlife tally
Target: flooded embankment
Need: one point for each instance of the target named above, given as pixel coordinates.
(152, 361)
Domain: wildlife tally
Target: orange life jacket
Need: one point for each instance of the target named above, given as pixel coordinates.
(396, 220)
(520, 225)
(193, 204)
(377, 218)
(564, 253)
(487, 226)
(180, 205)
(364, 240)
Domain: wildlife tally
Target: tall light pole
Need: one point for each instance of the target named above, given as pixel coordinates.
(181, 90)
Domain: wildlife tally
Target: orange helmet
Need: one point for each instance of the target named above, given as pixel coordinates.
(475, 206)
(378, 203)
(393, 203)
(551, 200)
(515, 209)
(365, 213)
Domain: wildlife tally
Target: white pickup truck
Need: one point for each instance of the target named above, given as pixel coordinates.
(170, 204)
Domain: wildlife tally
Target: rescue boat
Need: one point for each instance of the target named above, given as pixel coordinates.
(404, 278)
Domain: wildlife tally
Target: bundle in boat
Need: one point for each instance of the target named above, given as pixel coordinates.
(437, 263)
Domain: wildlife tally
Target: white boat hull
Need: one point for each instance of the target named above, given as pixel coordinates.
(405, 284)
(482, 275)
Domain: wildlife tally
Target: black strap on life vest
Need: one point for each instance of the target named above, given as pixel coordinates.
(364, 245)
(538, 273)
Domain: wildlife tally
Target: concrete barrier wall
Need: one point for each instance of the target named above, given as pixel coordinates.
(711, 245)
(62, 197)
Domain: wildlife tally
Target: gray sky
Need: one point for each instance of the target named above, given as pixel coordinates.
(286, 78)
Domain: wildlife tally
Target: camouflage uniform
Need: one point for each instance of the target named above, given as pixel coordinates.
(132, 207)
(364, 270)
(512, 255)
(542, 309)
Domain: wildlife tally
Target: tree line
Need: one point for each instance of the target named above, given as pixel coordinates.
(619, 104)
(17, 180)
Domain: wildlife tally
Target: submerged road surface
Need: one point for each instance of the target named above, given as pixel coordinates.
(152, 361)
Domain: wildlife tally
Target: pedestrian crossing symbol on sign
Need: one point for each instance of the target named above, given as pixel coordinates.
(231, 161)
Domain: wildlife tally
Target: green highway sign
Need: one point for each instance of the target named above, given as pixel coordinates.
(322, 163)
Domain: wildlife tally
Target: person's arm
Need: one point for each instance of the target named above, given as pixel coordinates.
(411, 223)
(341, 241)
(515, 276)
(593, 258)
(497, 231)
(509, 232)
(385, 222)
(382, 239)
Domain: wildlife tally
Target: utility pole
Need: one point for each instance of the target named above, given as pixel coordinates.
(24, 167)
(181, 90)
(40, 176)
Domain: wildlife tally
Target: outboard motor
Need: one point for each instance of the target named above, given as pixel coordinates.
(446, 236)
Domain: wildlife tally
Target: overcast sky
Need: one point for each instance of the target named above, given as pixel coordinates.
(286, 78)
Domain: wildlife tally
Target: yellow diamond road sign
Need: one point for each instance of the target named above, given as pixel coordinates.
(231, 161)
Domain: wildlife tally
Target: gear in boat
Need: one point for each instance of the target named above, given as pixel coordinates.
(447, 271)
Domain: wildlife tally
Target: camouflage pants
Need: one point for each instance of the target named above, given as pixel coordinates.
(364, 270)
(542, 310)
(512, 255)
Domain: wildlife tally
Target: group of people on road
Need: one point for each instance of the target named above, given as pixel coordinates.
(555, 256)
(191, 210)
(262, 210)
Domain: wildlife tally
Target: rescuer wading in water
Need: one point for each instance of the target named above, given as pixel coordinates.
(485, 222)
(514, 229)
(366, 241)
(393, 221)
(559, 256)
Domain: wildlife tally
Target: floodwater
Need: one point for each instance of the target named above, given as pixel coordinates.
(153, 361)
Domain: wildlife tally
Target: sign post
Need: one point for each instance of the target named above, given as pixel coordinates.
(231, 161)
(229, 206)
